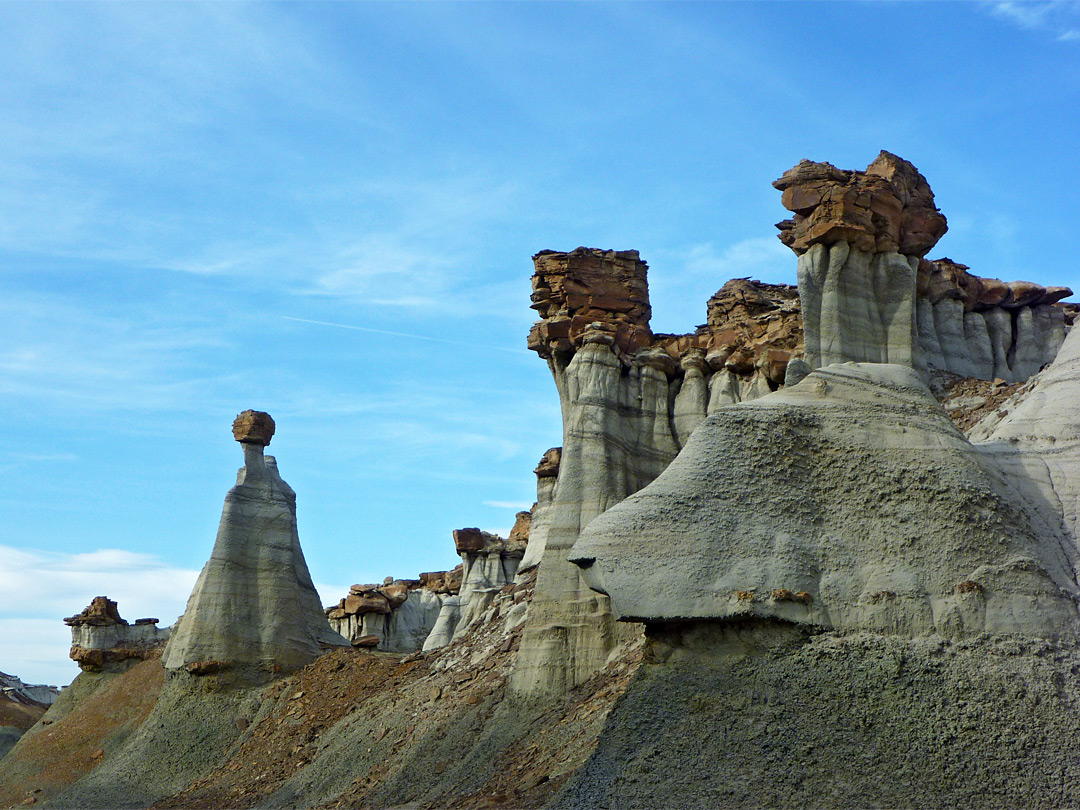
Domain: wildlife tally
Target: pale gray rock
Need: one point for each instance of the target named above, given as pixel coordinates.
(930, 347)
(445, 624)
(849, 501)
(541, 523)
(857, 305)
(15, 689)
(949, 322)
(692, 400)
(254, 603)
(1042, 431)
(617, 437)
(797, 369)
(408, 626)
(999, 328)
(980, 349)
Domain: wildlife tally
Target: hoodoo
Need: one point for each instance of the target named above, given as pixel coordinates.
(254, 603)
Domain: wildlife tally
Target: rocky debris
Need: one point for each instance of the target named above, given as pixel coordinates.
(378, 730)
(889, 208)
(21, 706)
(969, 401)
(253, 427)
(862, 486)
(100, 637)
(88, 720)
(254, 605)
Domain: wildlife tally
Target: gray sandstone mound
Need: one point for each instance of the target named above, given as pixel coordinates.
(254, 603)
(848, 501)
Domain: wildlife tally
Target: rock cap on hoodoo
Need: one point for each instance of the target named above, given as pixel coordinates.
(889, 207)
(253, 427)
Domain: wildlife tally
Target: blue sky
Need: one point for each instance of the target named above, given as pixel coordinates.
(327, 211)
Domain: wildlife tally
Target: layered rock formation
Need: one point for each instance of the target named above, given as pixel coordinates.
(396, 616)
(100, 637)
(866, 509)
(984, 327)
(254, 604)
(869, 296)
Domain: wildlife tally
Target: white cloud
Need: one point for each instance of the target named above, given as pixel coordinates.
(515, 505)
(1057, 17)
(764, 258)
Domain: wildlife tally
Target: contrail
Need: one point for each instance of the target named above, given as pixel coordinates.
(404, 335)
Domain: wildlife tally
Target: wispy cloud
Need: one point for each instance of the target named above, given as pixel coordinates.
(516, 505)
(764, 258)
(1060, 17)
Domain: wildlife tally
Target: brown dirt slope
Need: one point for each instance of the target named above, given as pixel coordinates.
(368, 729)
(92, 718)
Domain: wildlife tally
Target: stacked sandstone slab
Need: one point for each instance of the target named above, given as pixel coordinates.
(100, 637)
(396, 616)
(869, 295)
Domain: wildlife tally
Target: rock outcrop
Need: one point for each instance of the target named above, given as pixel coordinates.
(396, 616)
(984, 327)
(859, 237)
(254, 604)
(865, 509)
(868, 295)
(100, 637)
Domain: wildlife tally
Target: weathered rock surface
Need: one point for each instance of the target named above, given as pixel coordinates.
(489, 564)
(254, 604)
(399, 614)
(889, 208)
(848, 501)
(100, 637)
(868, 295)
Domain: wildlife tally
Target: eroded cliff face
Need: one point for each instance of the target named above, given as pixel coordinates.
(868, 295)
(630, 399)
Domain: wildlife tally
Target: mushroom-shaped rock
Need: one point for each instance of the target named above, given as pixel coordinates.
(254, 603)
(848, 501)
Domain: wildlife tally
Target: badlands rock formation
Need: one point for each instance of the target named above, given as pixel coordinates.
(869, 296)
(848, 501)
(254, 604)
(100, 637)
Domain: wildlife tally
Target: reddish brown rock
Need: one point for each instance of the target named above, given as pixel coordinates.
(549, 463)
(522, 523)
(468, 540)
(372, 602)
(101, 612)
(396, 593)
(366, 641)
(889, 207)
(590, 295)
(253, 427)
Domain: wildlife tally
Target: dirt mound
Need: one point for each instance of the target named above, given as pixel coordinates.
(91, 719)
